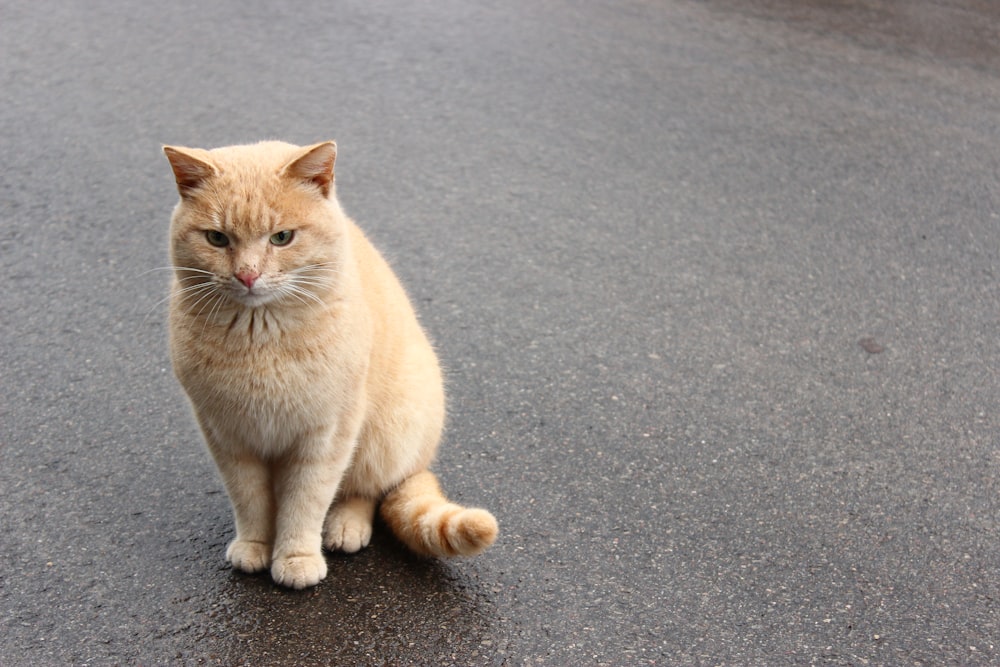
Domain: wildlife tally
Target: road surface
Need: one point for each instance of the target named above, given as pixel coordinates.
(715, 283)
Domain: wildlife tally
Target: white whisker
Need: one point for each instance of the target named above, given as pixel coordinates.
(194, 288)
(295, 290)
(310, 283)
(185, 293)
(180, 292)
(212, 296)
(174, 269)
(193, 270)
(325, 280)
(294, 295)
(316, 272)
(319, 268)
(311, 266)
(217, 305)
(188, 278)
(164, 300)
(199, 275)
(153, 308)
(157, 268)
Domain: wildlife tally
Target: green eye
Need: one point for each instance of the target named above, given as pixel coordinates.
(218, 239)
(282, 238)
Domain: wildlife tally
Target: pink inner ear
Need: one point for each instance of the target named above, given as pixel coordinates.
(189, 171)
(316, 166)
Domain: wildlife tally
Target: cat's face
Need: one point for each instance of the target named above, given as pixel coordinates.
(256, 225)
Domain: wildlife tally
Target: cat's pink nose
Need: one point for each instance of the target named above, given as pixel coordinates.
(248, 278)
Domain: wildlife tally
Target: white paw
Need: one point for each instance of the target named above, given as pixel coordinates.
(299, 571)
(348, 528)
(249, 556)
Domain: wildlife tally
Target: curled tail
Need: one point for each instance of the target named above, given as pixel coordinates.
(430, 525)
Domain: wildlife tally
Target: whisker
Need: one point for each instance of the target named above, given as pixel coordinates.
(319, 269)
(309, 266)
(315, 273)
(187, 278)
(182, 292)
(173, 268)
(322, 280)
(200, 290)
(205, 320)
(209, 295)
(306, 281)
(153, 308)
(312, 295)
(325, 266)
(218, 307)
(211, 314)
(311, 283)
(154, 269)
(294, 290)
(313, 276)
(193, 269)
(193, 288)
(296, 296)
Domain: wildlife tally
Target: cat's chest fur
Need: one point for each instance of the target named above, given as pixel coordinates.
(255, 382)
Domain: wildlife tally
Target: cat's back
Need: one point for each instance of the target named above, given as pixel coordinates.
(400, 345)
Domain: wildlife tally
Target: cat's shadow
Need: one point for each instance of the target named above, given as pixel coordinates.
(382, 604)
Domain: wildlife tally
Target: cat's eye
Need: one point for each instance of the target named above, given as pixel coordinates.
(282, 238)
(216, 238)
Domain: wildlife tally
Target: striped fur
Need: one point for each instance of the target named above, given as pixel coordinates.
(426, 522)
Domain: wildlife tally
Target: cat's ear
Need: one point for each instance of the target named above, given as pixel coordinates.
(314, 165)
(190, 171)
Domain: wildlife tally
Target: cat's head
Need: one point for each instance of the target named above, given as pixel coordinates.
(256, 225)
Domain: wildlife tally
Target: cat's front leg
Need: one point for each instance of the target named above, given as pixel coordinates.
(248, 483)
(305, 488)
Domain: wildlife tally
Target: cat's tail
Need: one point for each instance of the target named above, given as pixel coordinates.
(426, 522)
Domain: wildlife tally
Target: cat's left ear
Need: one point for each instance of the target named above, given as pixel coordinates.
(314, 165)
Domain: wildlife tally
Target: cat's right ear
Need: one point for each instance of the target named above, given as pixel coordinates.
(190, 171)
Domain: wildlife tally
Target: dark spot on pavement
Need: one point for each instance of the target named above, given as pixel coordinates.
(870, 345)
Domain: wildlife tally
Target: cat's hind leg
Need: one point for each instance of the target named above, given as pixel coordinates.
(349, 524)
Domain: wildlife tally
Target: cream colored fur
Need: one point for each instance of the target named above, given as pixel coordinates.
(316, 389)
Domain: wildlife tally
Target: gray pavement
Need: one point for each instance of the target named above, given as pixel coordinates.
(715, 283)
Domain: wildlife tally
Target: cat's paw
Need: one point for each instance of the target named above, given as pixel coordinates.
(249, 556)
(349, 526)
(299, 571)
(348, 535)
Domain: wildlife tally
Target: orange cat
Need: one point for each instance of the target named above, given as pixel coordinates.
(316, 389)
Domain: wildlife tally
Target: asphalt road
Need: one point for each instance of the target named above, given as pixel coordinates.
(716, 284)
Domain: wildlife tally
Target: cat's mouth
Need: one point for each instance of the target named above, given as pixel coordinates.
(251, 297)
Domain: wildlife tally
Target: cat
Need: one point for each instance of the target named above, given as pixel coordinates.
(316, 389)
